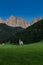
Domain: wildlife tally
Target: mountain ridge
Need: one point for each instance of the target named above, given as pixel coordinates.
(15, 22)
(19, 22)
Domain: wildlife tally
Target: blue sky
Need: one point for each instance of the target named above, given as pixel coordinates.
(27, 9)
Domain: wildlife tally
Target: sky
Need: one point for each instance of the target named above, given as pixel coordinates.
(26, 9)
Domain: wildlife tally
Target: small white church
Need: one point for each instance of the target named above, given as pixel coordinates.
(20, 42)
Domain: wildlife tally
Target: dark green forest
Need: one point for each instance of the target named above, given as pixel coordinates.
(33, 33)
(6, 32)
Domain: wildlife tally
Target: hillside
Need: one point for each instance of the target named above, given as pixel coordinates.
(7, 31)
(34, 33)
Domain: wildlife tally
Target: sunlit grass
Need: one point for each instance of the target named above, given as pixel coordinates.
(31, 54)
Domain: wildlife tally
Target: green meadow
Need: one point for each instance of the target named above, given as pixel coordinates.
(31, 54)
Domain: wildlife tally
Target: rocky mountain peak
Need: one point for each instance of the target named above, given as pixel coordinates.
(1, 21)
(16, 22)
(40, 18)
(19, 22)
(12, 17)
(35, 20)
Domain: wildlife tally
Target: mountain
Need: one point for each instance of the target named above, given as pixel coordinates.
(1, 21)
(35, 20)
(16, 22)
(14, 29)
(19, 22)
(33, 33)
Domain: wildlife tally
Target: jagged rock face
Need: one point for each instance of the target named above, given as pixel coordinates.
(36, 20)
(40, 18)
(1, 21)
(16, 22)
(22, 23)
(19, 22)
(11, 21)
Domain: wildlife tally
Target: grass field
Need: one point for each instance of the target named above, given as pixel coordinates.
(31, 54)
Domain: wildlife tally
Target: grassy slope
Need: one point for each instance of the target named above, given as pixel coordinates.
(31, 54)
